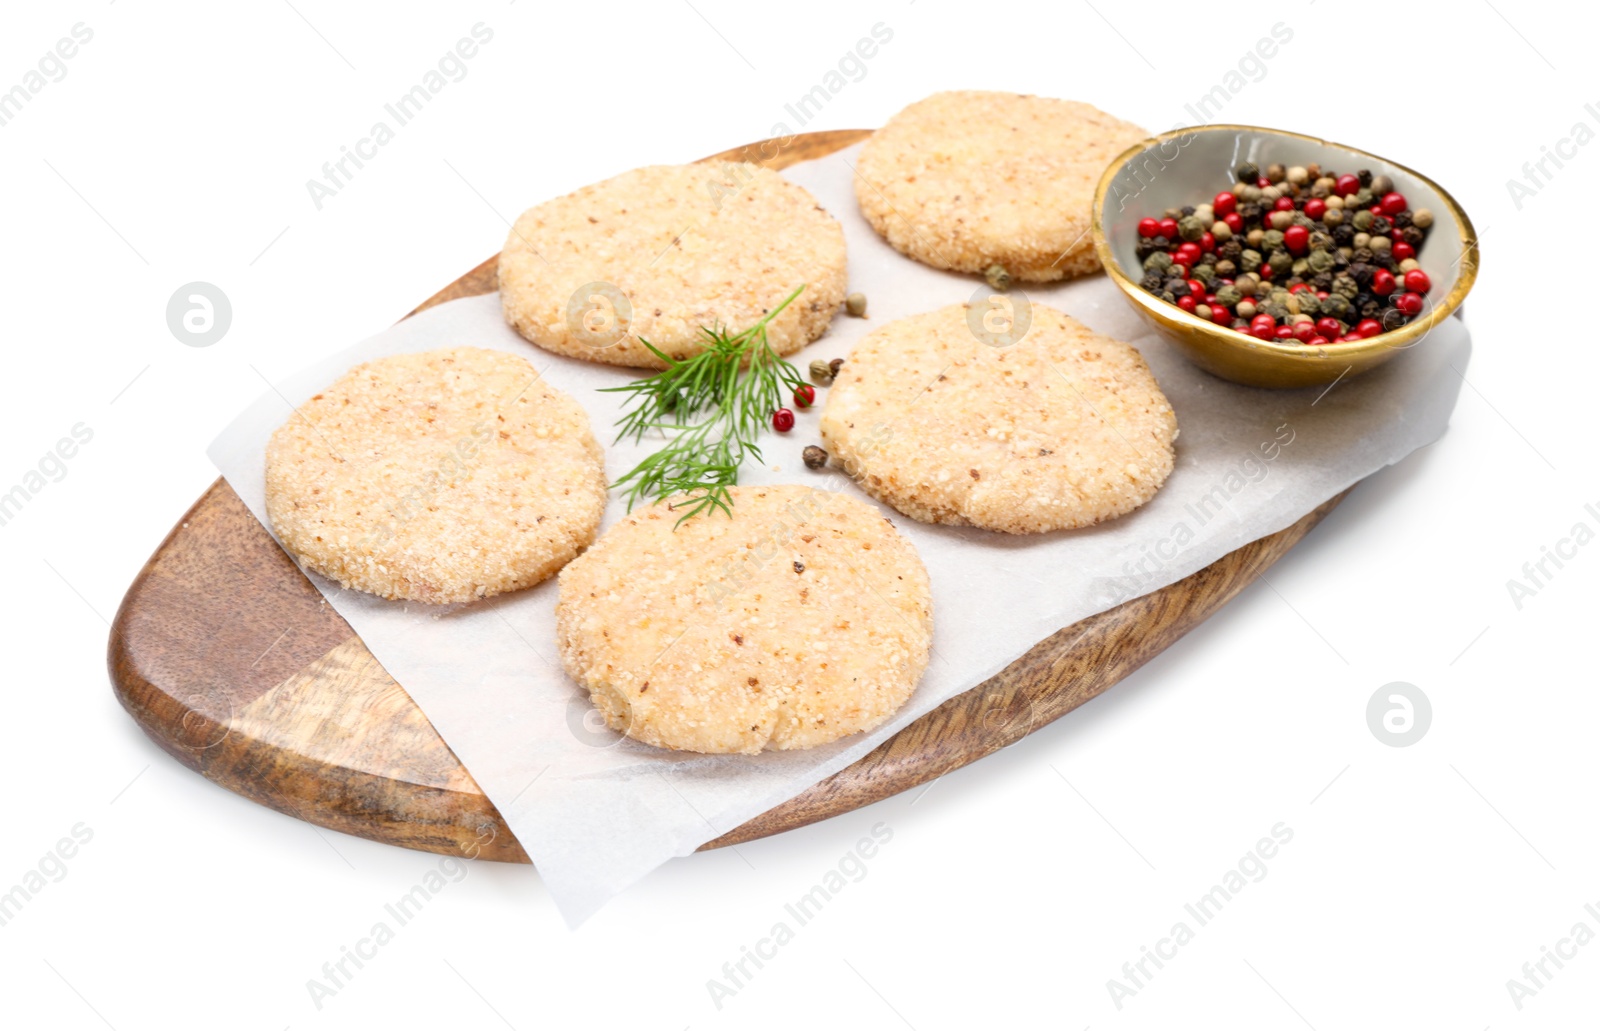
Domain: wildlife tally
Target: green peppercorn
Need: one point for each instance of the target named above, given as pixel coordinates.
(1272, 239)
(1251, 258)
(1160, 261)
(1338, 306)
(1362, 220)
(821, 374)
(1229, 296)
(1422, 218)
(1310, 303)
(1300, 267)
(1364, 198)
(1191, 228)
(1276, 310)
(1280, 261)
(1319, 260)
(856, 304)
(1345, 286)
(999, 279)
(1319, 240)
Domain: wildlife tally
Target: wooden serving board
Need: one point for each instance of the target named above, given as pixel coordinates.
(228, 657)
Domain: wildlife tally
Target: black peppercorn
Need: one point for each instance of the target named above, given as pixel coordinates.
(1380, 225)
(1370, 309)
(1401, 220)
(1364, 177)
(814, 457)
(1392, 318)
(1361, 272)
(1247, 172)
(1361, 255)
(1322, 281)
(1187, 210)
(1344, 235)
(1152, 282)
(1413, 236)
(1231, 250)
(1176, 287)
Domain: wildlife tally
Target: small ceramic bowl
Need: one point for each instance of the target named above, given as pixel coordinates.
(1190, 166)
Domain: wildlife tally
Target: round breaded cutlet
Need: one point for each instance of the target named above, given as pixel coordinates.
(663, 252)
(965, 180)
(1061, 429)
(801, 619)
(437, 477)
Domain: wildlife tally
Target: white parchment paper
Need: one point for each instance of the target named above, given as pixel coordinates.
(597, 813)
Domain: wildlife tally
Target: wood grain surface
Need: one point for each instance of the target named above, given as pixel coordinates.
(231, 661)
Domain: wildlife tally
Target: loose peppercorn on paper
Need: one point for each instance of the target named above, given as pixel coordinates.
(596, 812)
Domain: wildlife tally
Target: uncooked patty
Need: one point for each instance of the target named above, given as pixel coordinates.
(801, 619)
(437, 477)
(1061, 429)
(965, 180)
(660, 253)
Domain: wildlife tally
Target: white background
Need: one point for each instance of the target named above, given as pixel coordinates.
(1419, 879)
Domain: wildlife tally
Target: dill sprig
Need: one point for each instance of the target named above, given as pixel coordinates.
(712, 407)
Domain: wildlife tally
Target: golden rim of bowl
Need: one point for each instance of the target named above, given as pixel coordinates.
(1402, 337)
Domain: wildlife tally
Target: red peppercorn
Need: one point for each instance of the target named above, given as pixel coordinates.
(1417, 281)
(1297, 238)
(1266, 271)
(1329, 327)
(1283, 204)
(1410, 303)
(1197, 288)
(783, 420)
(1402, 250)
(1392, 203)
(1234, 221)
(1223, 204)
(1383, 282)
(1368, 328)
(805, 395)
(1263, 182)
(1188, 303)
(1149, 227)
(1317, 341)
(1187, 252)
(1322, 295)
(1284, 332)
(1347, 185)
(1262, 332)
(1299, 288)
(1221, 316)
(1304, 331)
(1168, 227)
(1316, 207)
(1208, 243)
